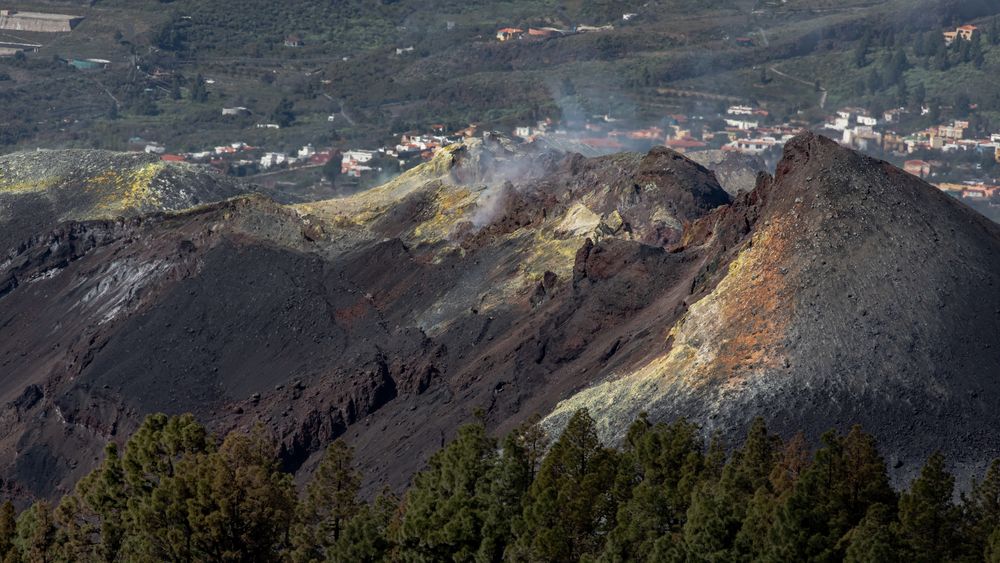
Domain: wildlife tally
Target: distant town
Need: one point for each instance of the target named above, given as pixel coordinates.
(949, 153)
(944, 154)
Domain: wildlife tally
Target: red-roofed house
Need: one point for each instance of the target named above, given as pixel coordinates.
(321, 157)
(508, 33)
(966, 31)
(919, 168)
(962, 32)
(686, 144)
(173, 158)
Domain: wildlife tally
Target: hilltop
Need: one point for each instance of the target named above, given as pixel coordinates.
(40, 189)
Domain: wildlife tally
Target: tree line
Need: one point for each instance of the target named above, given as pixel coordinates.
(175, 494)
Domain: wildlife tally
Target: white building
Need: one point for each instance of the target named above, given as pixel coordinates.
(752, 146)
(742, 124)
(359, 155)
(307, 151)
(867, 120)
(272, 159)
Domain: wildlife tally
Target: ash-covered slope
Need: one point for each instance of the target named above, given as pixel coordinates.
(841, 291)
(40, 189)
(387, 316)
(860, 295)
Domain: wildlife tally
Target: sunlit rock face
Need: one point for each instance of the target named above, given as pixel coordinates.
(855, 296)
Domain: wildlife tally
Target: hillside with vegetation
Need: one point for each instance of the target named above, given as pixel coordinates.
(174, 65)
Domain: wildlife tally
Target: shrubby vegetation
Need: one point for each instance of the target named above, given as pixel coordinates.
(458, 74)
(175, 494)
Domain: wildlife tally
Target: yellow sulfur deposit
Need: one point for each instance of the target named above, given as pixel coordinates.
(738, 325)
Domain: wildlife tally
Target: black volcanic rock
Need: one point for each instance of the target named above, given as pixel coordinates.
(861, 295)
(840, 291)
(316, 321)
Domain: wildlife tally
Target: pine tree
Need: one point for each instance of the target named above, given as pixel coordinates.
(446, 505)
(861, 51)
(8, 529)
(199, 90)
(902, 93)
(859, 88)
(242, 504)
(507, 484)
(332, 168)
(569, 508)
(964, 51)
(894, 68)
(752, 540)
(366, 536)
(919, 96)
(718, 510)
(874, 539)
(928, 521)
(92, 519)
(659, 470)
(847, 476)
(711, 525)
(992, 552)
(791, 463)
(994, 31)
(976, 54)
(919, 47)
(330, 501)
(874, 81)
(36, 534)
(860, 56)
(941, 61)
(715, 457)
(283, 113)
(157, 526)
(981, 510)
(175, 88)
(154, 449)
